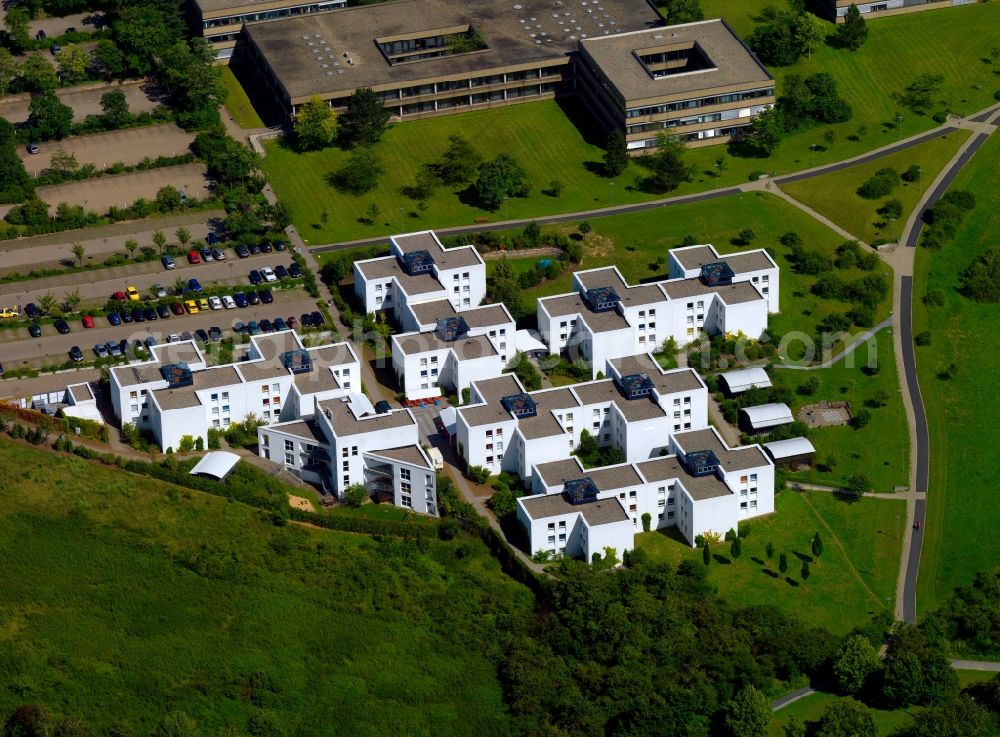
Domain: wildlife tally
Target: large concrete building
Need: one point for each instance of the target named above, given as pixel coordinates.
(220, 22)
(837, 9)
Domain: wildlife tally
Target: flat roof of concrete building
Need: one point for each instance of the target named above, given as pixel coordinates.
(465, 348)
(669, 467)
(697, 256)
(731, 459)
(343, 421)
(388, 267)
(731, 294)
(429, 312)
(600, 512)
(210, 378)
(305, 429)
(731, 62)
(544, 424)
(411, 454)
(570, 304)
(529, 33)
(81, 392)
(145, 373)
(636, 296)
(634, 410)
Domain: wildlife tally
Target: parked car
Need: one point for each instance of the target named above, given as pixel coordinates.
(137, 315)
(133, 293)
(114, 349)
(173, 338)
(242, 251)
(56, 49)
(292, 323)
(317, 319)
(31, 311)
(33, 148)
(88, 321)
(281, 272)
(61, 326)
(240, 299)
(191, 306)
(268, 273)
(75, 353)
(265, 296)
(35, 330)
(207, 255)
(163, 311)
(212, 239)
(194, 285)
(252, 297)
(114, 318)
(265, 247)
(307, 320)
(219, 254)
(150, 341)
(201, 335)
(228, 302)
(239, 327)
(194, 257)
(279, 246)
(254, 249)
(168, 262)
(215, 334)
(203, 305)
(265, 326)
(123, 345)
(294, 270)
(138, 347)
(279, 324)
(149, 313)
(215, 303)
(253, 328)
(177, 308)
(255, 277)
(119, 295)
(158, 290)
(101, 350)
(126, 317)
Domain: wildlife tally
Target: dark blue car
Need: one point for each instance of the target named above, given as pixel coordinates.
(255, 277)
(193, 285)
(114, 318)
(240, 299)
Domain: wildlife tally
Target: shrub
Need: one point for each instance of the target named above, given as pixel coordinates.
(923, 338)
(912, 173)
(880, 185)
(479, 474)
(861, 418)
(355, 495)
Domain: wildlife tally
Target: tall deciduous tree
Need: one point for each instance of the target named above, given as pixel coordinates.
(749, 713)
(365, 118)
(857, 662)
(846, 718)
(74, 63)
(681, 11)
(48, 117)
(615, 154)
(115, 109)
(8, 71)
(315, 124)
(853, 33)
(763, 134)
(667, 166)
(39, 75)
(459, 162)
(361, 172)
(499, 179)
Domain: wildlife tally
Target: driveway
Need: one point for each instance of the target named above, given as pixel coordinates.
(97, 195)
(128, 146)
(141, 97)
(53, 348)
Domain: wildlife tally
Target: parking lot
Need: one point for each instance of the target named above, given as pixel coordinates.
(97, 195)
(104, 149)
(55, 26)
(141, 98)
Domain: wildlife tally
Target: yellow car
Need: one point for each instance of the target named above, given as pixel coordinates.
(133, 293)
(8, 312)
(203, 305)
(191, 306)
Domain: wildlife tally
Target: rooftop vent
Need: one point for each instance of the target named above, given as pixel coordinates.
(520, 405)
(580, 491)
(297, 361)
(177, 375)
(635, 386)
(417, 262)
(700, 462)
(718, 274)
(601, 299)
(452, 328)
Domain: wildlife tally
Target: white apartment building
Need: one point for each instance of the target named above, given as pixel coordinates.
(420, 269)
(701, 486)
(561, 526)
(505, 428)
(451, 349)
(604, 318)
(176, 394)
(346, 441)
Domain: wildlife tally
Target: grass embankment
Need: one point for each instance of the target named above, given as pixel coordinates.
(559, 140)
(962, 411)
(854, 578)
(127, 591)
(881, 449)
(238, 103)
(810, 709)
(836, 196)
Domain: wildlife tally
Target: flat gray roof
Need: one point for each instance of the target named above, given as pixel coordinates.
(544, 424)
(343, 421)
(733, 63)
(304, 429)
(635, 410)
(411, 454)
(81, 392)
(669, 468)
(731, 294)
(741, 263)
(509, 29)
(600, 512)
(637, 296)
(210, 378)
(731, 459)
(466, 348)
(570, 304)
(144, 373)
(388, 266)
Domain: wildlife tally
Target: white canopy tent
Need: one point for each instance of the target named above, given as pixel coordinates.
(217, 464)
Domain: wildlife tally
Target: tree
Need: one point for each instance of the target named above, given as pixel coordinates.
(315, 124)
(503, 269)
(108, 60)
(736, 548)
(903, 682)
(706, 554)
(846, 718)
(858, 483)
(176, 724)
(459, 161)
(749, 713)
(616, 156)
(186, 444)
(762, 135)
(8, 70)
(228, 162)
(853, 32)
(667, 165)
(48, 302)
(115, 109)
(16, 21)
(795, 728)
(28, 720)
(194, 83)
(39, 75)
(364, 119)
(62, 162)
(783, 562)
(79, 252)
(74, 63)
(720, 165)
(159, 240)
(72, 300)
(131, 245)
(817, 545)
(532, 233)
(769, 550)
(48, 117)
(499, 179)
(142, 33)
(355, 495)
(891, 209)
(168, 199)
(857, 662)
(647, 520)
(183, 235)
(360, 173)
(804, 572)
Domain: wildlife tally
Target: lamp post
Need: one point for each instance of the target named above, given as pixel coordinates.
(401, 220)
(611, 190)
(812, 147)
(899, 126)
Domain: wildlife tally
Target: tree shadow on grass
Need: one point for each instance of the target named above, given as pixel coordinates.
(721, 559)
(758, 561)
(791, 582)
(802, 556)
(769, 572)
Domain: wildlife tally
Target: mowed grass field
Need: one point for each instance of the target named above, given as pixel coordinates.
(880, 450)
(835, 195)
(636, 242)
(962, 412)
(559, 140)
(811, 708)
(125, 598)
(853, 579)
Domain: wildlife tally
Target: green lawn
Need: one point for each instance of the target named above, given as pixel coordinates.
(636, 242)
(811, 708)
(852, 580)
(961, 413)
(835, 195)
(558, 140)
(124, 591)
(237, 102)
(881, 449)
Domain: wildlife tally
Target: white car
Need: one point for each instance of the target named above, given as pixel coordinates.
(159, 290)
(215, 303)
(173, 338)
(228, 302)
(268, 273)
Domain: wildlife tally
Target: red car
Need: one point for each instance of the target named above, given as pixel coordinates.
(292, 323)
(194, 257)
(119, 295)
(177, 308)
(88, 321)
